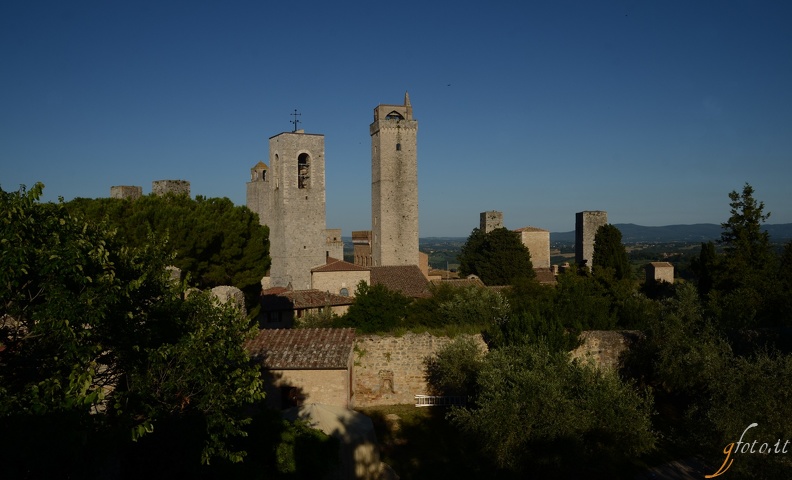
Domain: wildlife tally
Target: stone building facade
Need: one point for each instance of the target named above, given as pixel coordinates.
(660, 272)
(586, 225)
(296, 201)
(334, 246)
(176, 187)
(394, 185)
(126, 192)
(361, 242)
(339, 277)
(490, 220)
(537, 241)
(257, 195)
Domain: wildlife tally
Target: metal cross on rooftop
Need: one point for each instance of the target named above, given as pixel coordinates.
(295, 121)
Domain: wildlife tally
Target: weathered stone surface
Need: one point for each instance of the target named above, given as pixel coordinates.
(605, 347)
(391, 370)
(586, 226)
(226, 294)
(176, 187)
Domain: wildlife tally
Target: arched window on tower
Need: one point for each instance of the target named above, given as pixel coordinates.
(303, 171)
(394, 115)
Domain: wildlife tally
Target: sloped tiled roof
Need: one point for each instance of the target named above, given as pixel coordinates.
(530, 229)
(277, 298)
(471, 281)
(336, 265)
(661, 264)
(302, 348)
(545, 275)
(406, 279)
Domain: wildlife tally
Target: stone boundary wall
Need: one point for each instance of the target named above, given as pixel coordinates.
(390, 370)
(605, 347)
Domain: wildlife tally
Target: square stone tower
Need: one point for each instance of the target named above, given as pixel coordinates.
(296, 208)
(258, 191)
(537, 240)
(490, 220)
(586, 225)
(394, 185)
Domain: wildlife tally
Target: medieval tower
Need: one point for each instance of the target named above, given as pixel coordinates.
(586, 226)
(394, 185)
(289, 198)
(257, 198)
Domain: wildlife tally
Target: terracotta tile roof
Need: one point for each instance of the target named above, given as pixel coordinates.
(545, 275)
(661, 264)
(299, 299)
(461, 282)
(302, 348)
(336, 265)
(406, 279)
(530, 229)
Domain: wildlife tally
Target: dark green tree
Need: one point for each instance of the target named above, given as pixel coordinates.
(498, 257)
(214, 241)
(96, 341)
(609, 252)
(376, 309)
(746, 244)
(537, 413)
(705, 267)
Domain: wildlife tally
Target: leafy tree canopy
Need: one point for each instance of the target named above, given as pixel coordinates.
(609, 252)
(376, 309)
(537, 412)
(214, 241)
(498, 257)
(95, 338)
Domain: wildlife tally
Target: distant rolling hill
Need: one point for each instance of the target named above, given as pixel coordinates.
(700, 232)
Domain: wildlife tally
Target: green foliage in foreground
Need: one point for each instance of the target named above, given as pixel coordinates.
(498, 257)
(95, 340)
(534, 411)
(214, 241)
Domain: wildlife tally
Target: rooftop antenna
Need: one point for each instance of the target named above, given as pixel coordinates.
(295, 121)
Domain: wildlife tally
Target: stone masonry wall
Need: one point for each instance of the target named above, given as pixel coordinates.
(390, 370)
(126, 191)
(605, 347)
(586, 226)
(176, 187)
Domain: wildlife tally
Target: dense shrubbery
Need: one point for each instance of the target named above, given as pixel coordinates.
(213, 241)
(99, 348)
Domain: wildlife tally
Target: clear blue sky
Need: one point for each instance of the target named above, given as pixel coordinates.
(651, 110)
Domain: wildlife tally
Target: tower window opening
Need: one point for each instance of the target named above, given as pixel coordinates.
(398, 147)
(303, 171)
(394, 115)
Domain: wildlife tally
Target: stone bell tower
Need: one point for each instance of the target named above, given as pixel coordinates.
(394, 185)
(296, 206)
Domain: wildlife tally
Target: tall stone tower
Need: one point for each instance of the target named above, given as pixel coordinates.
(258, 191)
(586, 226)
(394, 185)
(490, 220)
(296, 208)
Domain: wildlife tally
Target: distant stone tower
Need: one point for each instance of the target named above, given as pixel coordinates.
(394, 185)
(490, 220)
(258, 191)
(586, 226)
(130, 192)
(537, 240)
(176, 187)
(296, 208)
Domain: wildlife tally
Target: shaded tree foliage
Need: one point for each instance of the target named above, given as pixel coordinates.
(94, 338)
(498, 257)
(536, 412)
(376, 309)
(609, 252)
(214, 241)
